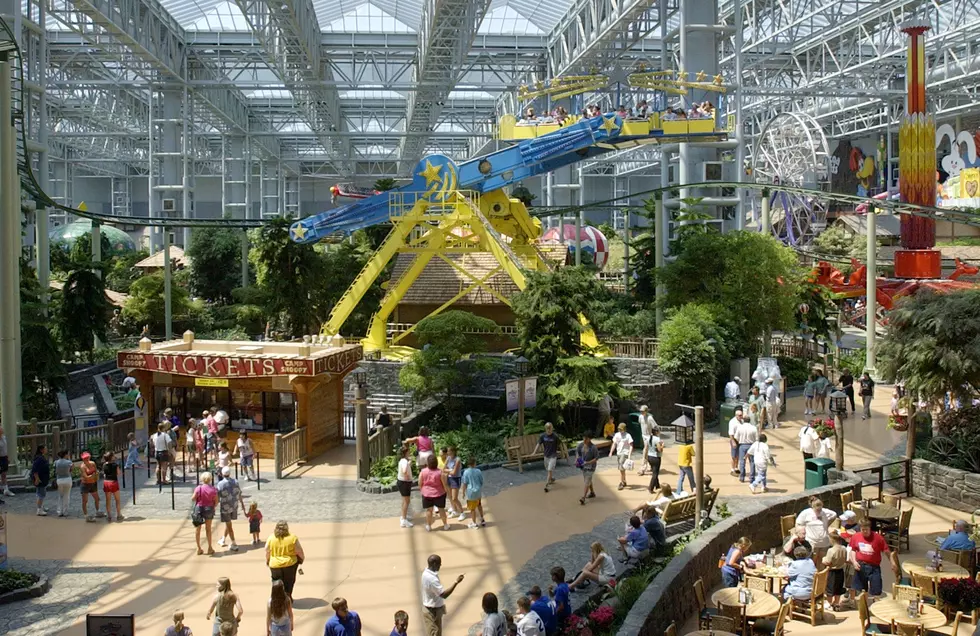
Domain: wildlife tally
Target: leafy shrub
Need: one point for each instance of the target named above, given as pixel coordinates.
(794, 370)
(11, 580)
(628, 592)
(486, 445)
(961, 594)
(385, 470)
(854, 361)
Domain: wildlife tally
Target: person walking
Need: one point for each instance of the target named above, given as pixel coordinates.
(494, 621)
(432, 485)
(622, 446)
(847, 383)
(685, 466)
(762, 457)
(62, 476)
(178, 628)
(229, 500)
(90, 486)
(404, 482)
(647, 424)
(473, 493)
(772, 403)
(226, 607)
(820, 387)
(867, 394)
(732, 442)
(655, 449)
(4, 466)
(40, 477)
(162, 443)
(246, 454)
(110, 485)
(434, 596)
(205, 499)
(548, 443)
(284, 555)
(809, 441)
(746, 434)
(588, 457)
(809, 389)
(279, 612)
(344, 622)
(454, 472)
(733, 389)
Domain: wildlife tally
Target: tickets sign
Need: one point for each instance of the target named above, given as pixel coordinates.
(231, 366)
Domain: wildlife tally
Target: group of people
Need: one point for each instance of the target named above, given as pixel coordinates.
(750, 452)
(225, 498)
(762, 405)
(89, 474)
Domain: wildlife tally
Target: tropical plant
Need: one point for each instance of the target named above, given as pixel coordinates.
(692, 346)
(341, 265)
(446, 339)
(690, 221)
(11, 580)
(213, 254)
(120, 273)
(384, 184)
(933, 345)
(81, 251)
(145, 305)
(42, 372)
(580, 381)
(84, 311)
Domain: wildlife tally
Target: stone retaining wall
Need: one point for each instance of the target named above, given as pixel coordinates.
(670, 597)
(945, 486)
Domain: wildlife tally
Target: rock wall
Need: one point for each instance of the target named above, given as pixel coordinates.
(670, 596)
(945, 486)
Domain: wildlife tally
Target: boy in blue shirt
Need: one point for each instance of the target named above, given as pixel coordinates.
(344, 622)
(473, 491)
(540, 606)
(563, 608)
(636, 542)
(401, 624)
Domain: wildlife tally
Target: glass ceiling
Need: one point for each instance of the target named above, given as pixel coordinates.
(505, 17)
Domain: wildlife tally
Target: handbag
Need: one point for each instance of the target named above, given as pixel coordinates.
(196, 517)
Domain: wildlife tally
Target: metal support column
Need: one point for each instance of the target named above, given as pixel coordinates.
(871, 302)
(739, 105)
(168, 326)
(361, 430)
(658, 253)
(97, 258)
(766, 213)
(579, 217)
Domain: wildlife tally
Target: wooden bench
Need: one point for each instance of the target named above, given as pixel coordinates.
(520, 449)
(682, 509)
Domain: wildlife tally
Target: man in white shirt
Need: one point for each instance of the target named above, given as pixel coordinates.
(647, 424)
(745, 435)
(772, 403)
(622, 445)
(732, 442)
(817, 519)
(733, 389)
(762, 457)
(162, 444)
(434, 596)
(809, 441)
(530, 624)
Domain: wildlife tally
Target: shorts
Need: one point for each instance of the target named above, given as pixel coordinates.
(473, 504)
(207, 512)
(246, 461)
(835, 582)
(404, 488)
(163, 456)
(604, 580)
(439, 502)
(621, 461)
(254, 526)
(424, 458)
(4, 464)
(90, 487)
(41, 491)
(550, 463)
(109, 486)
(587, 476)
(454, 482)
(227, 516)
(632, 552)
(865, 577)
(734, 450)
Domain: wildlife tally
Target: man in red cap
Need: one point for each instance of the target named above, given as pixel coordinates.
(90, 486)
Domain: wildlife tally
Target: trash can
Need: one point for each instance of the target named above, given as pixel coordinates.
(816, 472)
(726, 411)
(633, 428)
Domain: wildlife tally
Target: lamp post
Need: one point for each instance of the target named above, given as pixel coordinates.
(360, 422)
(521, 365)
(698, 411)
(838, 407)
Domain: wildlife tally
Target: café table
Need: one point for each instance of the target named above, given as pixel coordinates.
(922, 567)
(888, 609)
(763, 604)
(883, 514)
(773, 575)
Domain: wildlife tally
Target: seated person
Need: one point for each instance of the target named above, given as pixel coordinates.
(958, 539)
(529, 114)
(797, 540)
(654, 527)
(623, 112)
(642, 110)
(593, 111)
(600, 568)
(800, 574)
(849, 523)
(560, 115)
(636, 543)
(660, 499)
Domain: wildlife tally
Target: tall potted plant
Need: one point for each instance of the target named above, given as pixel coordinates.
(959, 595)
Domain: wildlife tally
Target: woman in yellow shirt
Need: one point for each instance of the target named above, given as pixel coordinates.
(685, 457)
(284, 555)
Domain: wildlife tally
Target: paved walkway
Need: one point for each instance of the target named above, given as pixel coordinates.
(353, 543)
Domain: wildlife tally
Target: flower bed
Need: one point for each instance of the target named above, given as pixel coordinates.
(17, 586)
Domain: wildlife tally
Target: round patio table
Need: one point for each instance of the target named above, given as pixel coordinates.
(883, 514)
(921, 567)
(763, 604)
(888, 609)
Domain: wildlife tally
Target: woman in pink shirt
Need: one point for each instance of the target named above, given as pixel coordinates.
(424, 444)
(205, 500)
(432, 484)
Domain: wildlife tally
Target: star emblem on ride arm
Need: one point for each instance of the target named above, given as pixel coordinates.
(430, 174)
(701, 76)
(299, 232)
(609, 125)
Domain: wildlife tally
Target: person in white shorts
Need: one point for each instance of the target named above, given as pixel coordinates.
(549, 443)
(622, 445)
(647, 424)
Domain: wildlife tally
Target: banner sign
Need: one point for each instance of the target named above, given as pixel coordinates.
(530, 392)
(232, 366)
(109, 625)
(512, 394)
(3, 540)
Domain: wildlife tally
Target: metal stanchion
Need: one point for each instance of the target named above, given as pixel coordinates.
(123, 471)
(236, 470)
(133, 468)
(149, 454)
(258, 473)
(173, 497)
(183, 464)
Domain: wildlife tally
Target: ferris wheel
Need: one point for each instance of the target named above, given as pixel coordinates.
(792, 150)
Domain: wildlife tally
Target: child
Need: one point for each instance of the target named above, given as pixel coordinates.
(401, 624)
(836, 560)
(454, 471)
(472, 491)
(245, 453)
(895, 397)
(443, 456)
(133, 458)
(622, 445)
(110, 485)
(609, 429)
(760, 452)
(224, 456)
(754, 419)
(563, 608)
(254, 522)
(809, 390)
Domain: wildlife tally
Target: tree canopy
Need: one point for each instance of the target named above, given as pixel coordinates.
(145, 305)
(84, 311)
(693, 348)
(933, 345)
(214, 254)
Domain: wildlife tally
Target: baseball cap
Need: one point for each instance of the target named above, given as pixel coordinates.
(737, 379)
(769, 380)
(847, 515)
(226, 471)
(86, 455)
(643, 408)
(534, 591)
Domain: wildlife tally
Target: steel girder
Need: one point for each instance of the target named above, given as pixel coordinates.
(290, 34)
(447, 31)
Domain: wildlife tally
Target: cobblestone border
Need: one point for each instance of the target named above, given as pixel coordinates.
(39, 589)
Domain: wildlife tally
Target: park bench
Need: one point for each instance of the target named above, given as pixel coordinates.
(520, 449)
(683, 509)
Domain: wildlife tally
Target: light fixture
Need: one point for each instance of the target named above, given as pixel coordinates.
(360, 375)
(838, 402)
(521, 365)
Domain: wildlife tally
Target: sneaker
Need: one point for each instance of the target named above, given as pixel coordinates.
(99, 514)
(428, 528)
(483, 524)
(7, 493)
(546, 489)
(591, 495)
(621, 486)
(582, 501)
(234, 547)
(90, 519)
(445, 526)
(221, 542)
(472, 525)
(61, 514)
(41, 512)
(119, 517)
(408, 524)
(752, 489)
(733, 472)
(462, 515)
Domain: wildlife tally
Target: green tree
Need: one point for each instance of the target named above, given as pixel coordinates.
(84, 311)
(384, 184)
(692, 346)
(690, 219)
(213, 253)
(933, 345)
(751, 282)
(446, 340)
(120, 272)
(837, 240)
(579, 381)
(523, 195)
(547, 314)
(145, 305)
(42, 371)
(81, 250)
(289, 275)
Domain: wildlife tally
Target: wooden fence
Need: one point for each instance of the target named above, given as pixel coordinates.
(632, 347)
(290, 449)
(381, 442)
(57, 435)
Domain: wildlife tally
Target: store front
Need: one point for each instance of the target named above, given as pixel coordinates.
(265, 387)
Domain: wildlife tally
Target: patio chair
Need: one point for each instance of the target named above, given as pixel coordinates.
(901, 628)
(892, 500)
(786, 525)
(770, 627)
(896, 537)
(756, 582)
(927, 587)
(846, 499)
(704, 612)
(809, 609)
(722, 624)
(906, 593)
(867, 627)
(737, 614)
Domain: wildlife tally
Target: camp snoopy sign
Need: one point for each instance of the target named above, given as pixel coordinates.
(231, 366)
